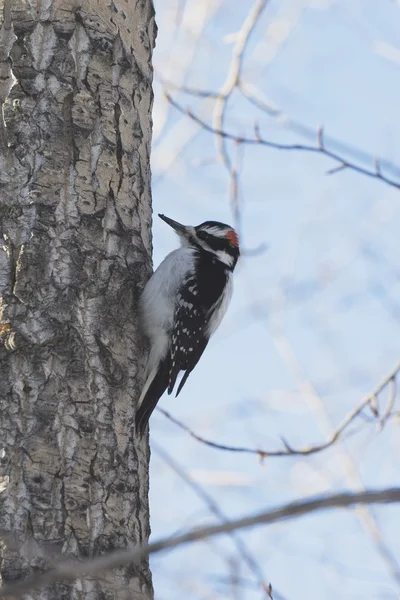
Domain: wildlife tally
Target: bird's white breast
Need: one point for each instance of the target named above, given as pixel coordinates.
(157, 303)
(220, 307)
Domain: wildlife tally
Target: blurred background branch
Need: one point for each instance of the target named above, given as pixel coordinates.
(318, 148)
(370, 401)
(69, 570)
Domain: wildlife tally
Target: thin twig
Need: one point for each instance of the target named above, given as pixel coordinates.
(258, 139)
(337, 169)
(271, 111)
(390, 404)
(71, 570)
(191, 91)
(289, 450)
(286, 121)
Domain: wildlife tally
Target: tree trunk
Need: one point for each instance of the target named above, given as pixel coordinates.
(75, 208)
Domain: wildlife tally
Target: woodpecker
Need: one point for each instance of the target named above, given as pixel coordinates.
(182, 305)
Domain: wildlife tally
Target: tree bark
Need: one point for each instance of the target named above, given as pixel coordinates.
(75, 209)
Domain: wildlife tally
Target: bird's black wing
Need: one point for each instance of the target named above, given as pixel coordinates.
(188, 337)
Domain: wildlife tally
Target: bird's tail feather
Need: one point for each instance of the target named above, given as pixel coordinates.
(183, 381)
(155, 386)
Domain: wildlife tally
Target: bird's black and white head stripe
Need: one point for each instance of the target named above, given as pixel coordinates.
(214, 237)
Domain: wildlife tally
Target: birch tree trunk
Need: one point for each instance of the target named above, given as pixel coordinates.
(75, 210)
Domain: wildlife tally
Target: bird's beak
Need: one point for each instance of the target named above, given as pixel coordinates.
(179, 228)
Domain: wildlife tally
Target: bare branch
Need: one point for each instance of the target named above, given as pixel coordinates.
(71, 570)
(258, 139)
(368, 400)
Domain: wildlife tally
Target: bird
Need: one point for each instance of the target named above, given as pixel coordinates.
(182, 305)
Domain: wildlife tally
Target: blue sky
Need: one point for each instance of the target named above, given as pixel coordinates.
(315, 320)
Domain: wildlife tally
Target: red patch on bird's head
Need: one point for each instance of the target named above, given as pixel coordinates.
(232, 236)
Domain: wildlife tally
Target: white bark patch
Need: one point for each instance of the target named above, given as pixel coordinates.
(40, 82)
(66, 211)
(53, 84)
(5, 171)
(43, 7)
(80, 44)
(7, 38)
(115, 68)
(7, 80)
(94, 156)
(42, 44)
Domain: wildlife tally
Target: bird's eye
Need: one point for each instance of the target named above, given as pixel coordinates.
(203, 235)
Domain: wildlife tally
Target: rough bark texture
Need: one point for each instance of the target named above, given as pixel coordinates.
(75, 223)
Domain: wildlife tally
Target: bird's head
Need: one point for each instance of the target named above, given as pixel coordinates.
(216, 238)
